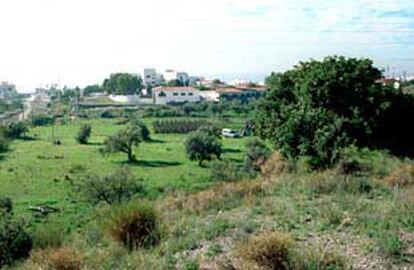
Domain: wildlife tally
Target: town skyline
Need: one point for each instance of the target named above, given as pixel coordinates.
(88, 41)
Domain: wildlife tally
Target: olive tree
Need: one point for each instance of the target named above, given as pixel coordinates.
(202, 145)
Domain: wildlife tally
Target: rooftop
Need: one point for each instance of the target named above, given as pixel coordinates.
(181, 88)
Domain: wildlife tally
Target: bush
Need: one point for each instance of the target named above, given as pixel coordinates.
(319, 107)
(401, 177)
(135, 226)
(16, 130)
(268, 250)
(84, 134)
(114, 188)
(15, 243)
(178, 126)
(42, 120)
(202, 146)
(64, 258)
(225, 171)
(6, 205)
(256, 156)
(107, 114)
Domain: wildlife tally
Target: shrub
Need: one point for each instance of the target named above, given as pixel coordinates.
(15, 242)
(401, 177)
(268, 250)
(179, 126)
(64, 258)
(202, 146)
(16, 130)
(42, 120)
(225, 170)
(84, 134)
(135, 226)
(107, 114)
(114, 188)
(6, 205)
(319, 107)
(257, 154)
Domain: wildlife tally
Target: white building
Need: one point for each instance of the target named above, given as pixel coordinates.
(152, 77)
(170, 95)
(170, 75)
(7, 90)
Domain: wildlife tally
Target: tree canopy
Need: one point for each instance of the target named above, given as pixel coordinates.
(203, 145)
(318, 107)
(123, 84)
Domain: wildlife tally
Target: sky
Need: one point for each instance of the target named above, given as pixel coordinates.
(80, 42)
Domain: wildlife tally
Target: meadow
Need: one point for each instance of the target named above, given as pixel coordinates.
(37, 172)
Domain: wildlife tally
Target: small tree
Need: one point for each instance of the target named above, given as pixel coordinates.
(113, 188)
(124, 141)
(84, 134)
(201, 146)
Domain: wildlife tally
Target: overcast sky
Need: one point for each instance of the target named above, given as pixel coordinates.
(80, 42)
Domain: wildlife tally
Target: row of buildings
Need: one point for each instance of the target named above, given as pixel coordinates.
(174, 95)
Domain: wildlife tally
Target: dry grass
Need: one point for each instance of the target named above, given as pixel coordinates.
(213, 197)
(275, 165)
(134, 226)
(64, 258)
(268, 251)
(401, 177)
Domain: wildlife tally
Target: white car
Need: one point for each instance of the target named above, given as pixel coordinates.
(226, 132)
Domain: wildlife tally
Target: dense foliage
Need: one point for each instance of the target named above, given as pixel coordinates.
(319, 107)
(257, 154)
(177, 126)
(201, 145)
(83, 134)
(123, 84)
(15, 242)
(42, 120)
(15, 130)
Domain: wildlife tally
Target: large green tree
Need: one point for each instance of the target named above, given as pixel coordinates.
(202, 145)
(123, 84)
(318, 107)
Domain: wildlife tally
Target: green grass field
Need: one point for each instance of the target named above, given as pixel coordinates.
(39, 172)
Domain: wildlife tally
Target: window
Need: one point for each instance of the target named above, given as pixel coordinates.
(183, 93)
(175, 94)
(162, 94)
(190, 93)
